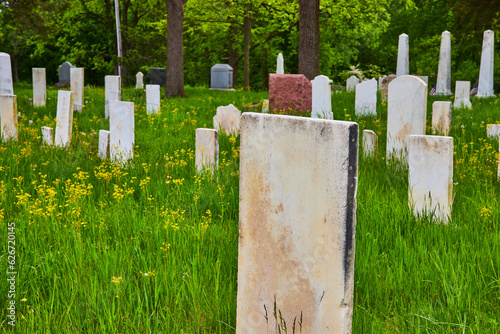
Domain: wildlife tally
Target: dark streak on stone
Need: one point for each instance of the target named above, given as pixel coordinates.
(350, 223)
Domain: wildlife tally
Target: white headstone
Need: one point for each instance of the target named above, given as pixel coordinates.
(406, 113)
(462, 97)
(298, 181)
(366, 98)
(493, 130)
(441, 117)
(485, 87)
(121, 131)
(152, 98)
(498, 173)
(39, 87)
(103, 144)
(76, 79)
(403, 66)
(321, 97)
(8, 116)
(227, 120)
(280, 67)
(351, 83)
(265, 106)
(430, 176)
(370, 143)
(64, 119)
(113, 91)
(207, 149)
(425, 79)
(6, 85)
(443, 84)
(47, 135)
(139, 80)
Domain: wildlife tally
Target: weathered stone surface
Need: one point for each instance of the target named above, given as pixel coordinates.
(207, 149)
(77, 75)
(103, 144)
(265, 106)
(113, 91)
(380, 81)
(121, 131)
(139, 80)
(298, 180)
(406, 113)
(441, 117)
(64, 118)
(227, 120)
(290, 93)
(351, 83)
(47, 135)
(430, 176)
(280, 69)
(6, 85)
(366, 98)
(462, 97)
(384, 89)
(493, 130)
(498, 173)
(158, 76)
(321, 97)
(221, 76)
(152, 99)
(65, 72)
(485, 87)
(443, 84)
(8, 116)
(370, 143)
(403, 66)
(424, 78)
(39, 87)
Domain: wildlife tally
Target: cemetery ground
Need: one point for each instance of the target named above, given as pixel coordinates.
(152, 246)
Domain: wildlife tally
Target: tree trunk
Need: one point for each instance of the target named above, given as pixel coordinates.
(233, 56)
(175, 56)
(265, 70)
(309, 38)
(247, 34)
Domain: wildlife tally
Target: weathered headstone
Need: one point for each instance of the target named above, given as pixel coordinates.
(406, 113)
(443, 84)
(6, 85)
(227, 120)
(77, 75)
(370, 143)
(403, 66)
(158, 76)
(462, 95)
(380, 81)
(384, 89)
(47, 135)
(366, 98)
(113, 91)
(265, 106)
(430, 189)
(65, 73)
(103, 144)
(441, 117)
(221, 77)
(298, 180)
(64, 118)
(424, 78)
(8, 116)
(493, 130)
(498, 173)
(152, 99)
(39, 87)
(280, 66)
(321, 97)
(207, 149)
(351, 83)
(121, 131)
(139, 80)
(485, 87)
(290, 93)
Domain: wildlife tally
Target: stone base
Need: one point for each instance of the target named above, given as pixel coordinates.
(224, 89)
(62, 84)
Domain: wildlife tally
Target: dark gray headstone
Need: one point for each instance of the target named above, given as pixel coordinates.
(64, 70)
(221, 76)
(158, 76)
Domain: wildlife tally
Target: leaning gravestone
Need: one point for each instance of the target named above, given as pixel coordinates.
(351, 83)
(384, 89)
(430, 190)
(403, 66)
(462, 95)
(443, 84)
(298, 180)
(221, 77)
(280, 67)
(39, 87)
(77, 75)
(113, 91)
(207, 149)
(103, 144)
(6, 85)
(121, 131)
(47, 135)
(366, 98)
(290, 93)
(64, 75)
(152, 99)
(227, 120)
(321, 97)
(139, 80)
(64, 118)
(158, 76)
(441, 117)
(406, 113)
(485, 87)
(8, 117)
(370, 143)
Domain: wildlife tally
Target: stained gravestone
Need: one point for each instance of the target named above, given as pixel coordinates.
(290, 93)
(493, 130)
(403, 66)
(47, 135)
(139, 80)
(280, 67)
(321, 97)
(366, 98)
(77, 75)
(152, 99)
(227, 120)
(406, 113)
(113, 91)
(430, 190)
(298, 181)
(351, 83)
(384, 89)
(65, 72)
(39, 87)
(370, 143)
(121, 131)
(207, 149)
(485, 87)
(158, 76)
(462, 95)
(380, 81)
(6, 85)
(443, 84)
(64, 118)
(103, 144)
(441, 117)
(221, 77)
(8, 116)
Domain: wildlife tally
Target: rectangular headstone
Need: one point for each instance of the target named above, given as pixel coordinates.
(298, 181)
(121, 131)
(39, 87)
(113, 91)
(152, 98)
(64, 119)
(221, 76)
(462, 95)
(207, 149)
(441, 117)
(430, 176)
(384, 89)
(321, 97)
(485, 87)
(291, 93)
(65, 72)
(103, 144)
(351, 83)
(139, 80)
(370, 143)
(77, 75)
(366, 98)
(47, 135)
(8, 116)
(403, 66)
(227, 120)
(492, 130)
(6, 84)
(158, 76)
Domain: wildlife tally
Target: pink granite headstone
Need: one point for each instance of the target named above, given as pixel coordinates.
(290, 93)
